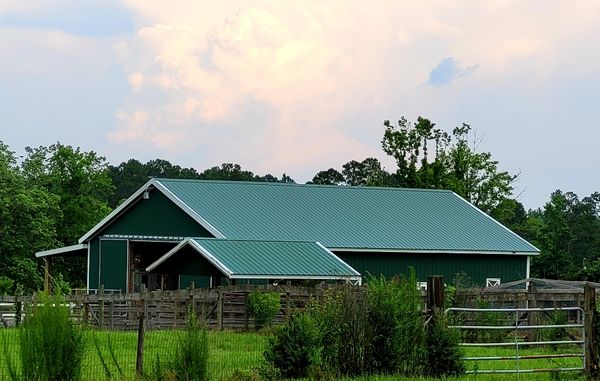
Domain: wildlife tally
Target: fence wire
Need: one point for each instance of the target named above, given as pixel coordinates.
(112, 355)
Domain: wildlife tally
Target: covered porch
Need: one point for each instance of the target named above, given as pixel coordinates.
(214, 262)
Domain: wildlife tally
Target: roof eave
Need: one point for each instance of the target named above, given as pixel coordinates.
(134, 197)
(433, 251)
(61, 250)
(294, 277)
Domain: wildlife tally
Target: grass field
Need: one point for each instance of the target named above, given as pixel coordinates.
(232, 352)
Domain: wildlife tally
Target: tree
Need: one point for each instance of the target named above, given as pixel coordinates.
(234, 172)
(129, 176)
(328, 177)
(453, 165)
(368, 172)
(28, 217)
(81, 183)
(227, 171)
(475, 176)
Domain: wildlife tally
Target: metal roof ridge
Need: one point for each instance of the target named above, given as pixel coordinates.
(251, 240)
(328, 186)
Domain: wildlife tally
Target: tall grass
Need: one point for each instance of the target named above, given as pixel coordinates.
(190, 362)
(51, 346)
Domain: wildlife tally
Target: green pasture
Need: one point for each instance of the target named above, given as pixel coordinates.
(233, 354)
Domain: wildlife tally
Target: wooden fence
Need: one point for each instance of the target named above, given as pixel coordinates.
(220, 308)
(226, 307)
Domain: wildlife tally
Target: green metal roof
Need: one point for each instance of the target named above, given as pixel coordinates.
(343, 217)
(270, 259)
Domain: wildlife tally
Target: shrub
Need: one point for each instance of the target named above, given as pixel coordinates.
(444, 355)
(263, 307)
(51, 346)
(398, 336)
(191, 356)
(60, 285)
(296, 347)
(349, 332)
(342, 316)
(410, 348)
(6, 285)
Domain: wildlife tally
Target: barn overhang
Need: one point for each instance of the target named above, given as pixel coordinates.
(72, 250)
(244, 259)
(80, 250)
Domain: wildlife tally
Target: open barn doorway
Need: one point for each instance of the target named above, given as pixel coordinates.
(141, 255)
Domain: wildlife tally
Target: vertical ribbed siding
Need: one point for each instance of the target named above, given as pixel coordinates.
(476, 268)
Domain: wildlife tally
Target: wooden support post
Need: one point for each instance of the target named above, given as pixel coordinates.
(591, 350)
(139, 360)
(47, 276)
(435, 292)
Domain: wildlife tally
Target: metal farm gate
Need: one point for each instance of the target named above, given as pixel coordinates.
(521, 332)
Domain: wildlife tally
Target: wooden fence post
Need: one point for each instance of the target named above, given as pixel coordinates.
(86, 313)
(531, 315)
(219, 310)
(435, 292)
(101, 306)
(191, 308)
(246, 314)
(139, 360)
(591, 350)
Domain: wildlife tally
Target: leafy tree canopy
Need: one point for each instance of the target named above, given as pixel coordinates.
(28, 220)
(428, 157)
(80, 180)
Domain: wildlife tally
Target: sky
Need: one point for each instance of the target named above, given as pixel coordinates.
(300, 86)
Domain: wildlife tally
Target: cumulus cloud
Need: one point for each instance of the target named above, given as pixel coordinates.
(278, 85)
(447, 71)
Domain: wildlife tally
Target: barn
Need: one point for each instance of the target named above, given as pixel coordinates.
(171, 232)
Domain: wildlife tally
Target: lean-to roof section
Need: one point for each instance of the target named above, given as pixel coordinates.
(267, 259)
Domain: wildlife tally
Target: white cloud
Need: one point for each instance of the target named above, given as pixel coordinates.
(275, 85)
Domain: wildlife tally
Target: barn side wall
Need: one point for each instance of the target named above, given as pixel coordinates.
(476, 268)
(156, 216)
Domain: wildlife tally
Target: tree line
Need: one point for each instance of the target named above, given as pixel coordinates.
(54, 194)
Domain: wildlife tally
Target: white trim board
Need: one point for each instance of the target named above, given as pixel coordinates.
(151, 184)
(409, 251)
(62, 250)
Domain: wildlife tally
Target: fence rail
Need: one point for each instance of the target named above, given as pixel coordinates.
(518, 341)
(222, 308)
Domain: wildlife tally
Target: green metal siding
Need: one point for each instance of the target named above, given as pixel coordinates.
(94, 265)
(156, 216)
(199, 281)
(476, 267)
(113, 264)
(188, 261)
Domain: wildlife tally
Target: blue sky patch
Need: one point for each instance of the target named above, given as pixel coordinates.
(447, 71)
(85, 19)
